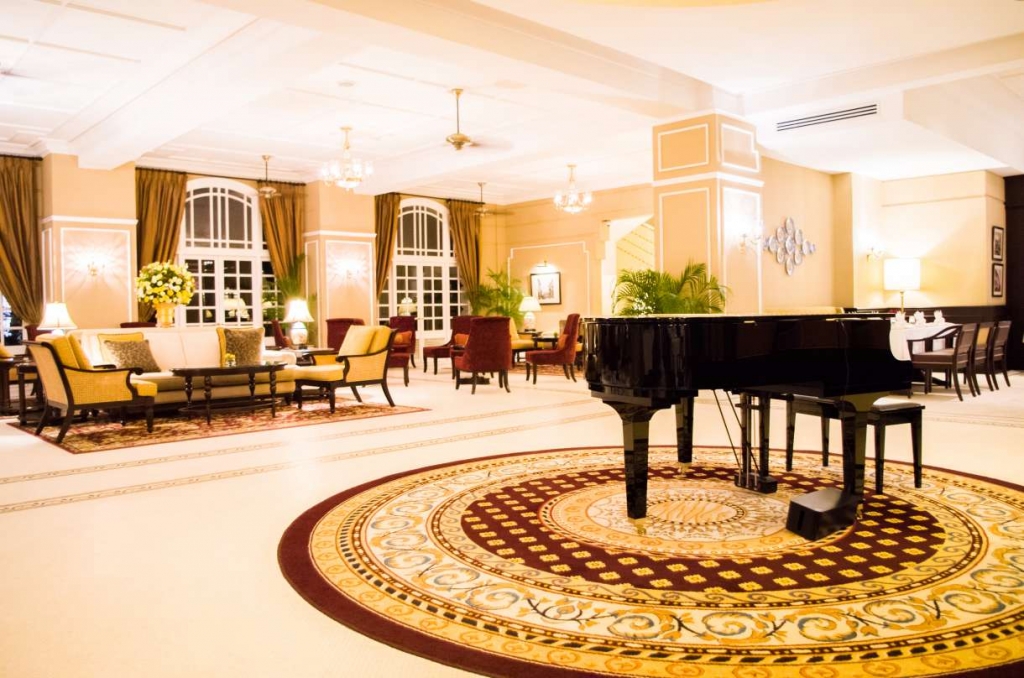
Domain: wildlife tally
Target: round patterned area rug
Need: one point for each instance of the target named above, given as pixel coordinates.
(526, 565)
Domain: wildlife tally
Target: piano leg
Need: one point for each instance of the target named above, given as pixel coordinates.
(762, 482)
(855, 432)
(684, 432)
(635, 429)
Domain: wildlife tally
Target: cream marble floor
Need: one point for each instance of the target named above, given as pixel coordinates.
(161, 560)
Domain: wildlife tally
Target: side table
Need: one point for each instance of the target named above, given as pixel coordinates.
(28, 374)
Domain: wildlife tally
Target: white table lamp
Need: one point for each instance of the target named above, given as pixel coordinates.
(902, 275)
(298, 315)
(56, 318)
(528, 307)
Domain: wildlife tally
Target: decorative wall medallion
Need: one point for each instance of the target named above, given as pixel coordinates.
(789, 246)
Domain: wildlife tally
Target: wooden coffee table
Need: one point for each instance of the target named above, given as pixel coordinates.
(208, 373)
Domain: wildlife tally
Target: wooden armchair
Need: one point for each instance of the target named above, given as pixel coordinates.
(951, 361)
(70, 389)
(563, 354)
(362, 360)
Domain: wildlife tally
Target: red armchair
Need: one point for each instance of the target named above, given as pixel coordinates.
(460, 325)
(337, 328)
(405, 335)
(563, 354)
(488, 349)
(281, 339)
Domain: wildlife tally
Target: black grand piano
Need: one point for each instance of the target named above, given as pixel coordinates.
(639, 365)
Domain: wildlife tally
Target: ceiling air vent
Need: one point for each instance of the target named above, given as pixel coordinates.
(821, 119)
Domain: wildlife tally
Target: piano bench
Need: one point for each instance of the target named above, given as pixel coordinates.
(880, 416)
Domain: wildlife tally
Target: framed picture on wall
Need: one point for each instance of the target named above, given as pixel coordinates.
(997, 280)
(546, 288)
(997, 243)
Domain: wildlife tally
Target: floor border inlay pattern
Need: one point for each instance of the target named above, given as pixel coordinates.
(282, 466)
(136, 463)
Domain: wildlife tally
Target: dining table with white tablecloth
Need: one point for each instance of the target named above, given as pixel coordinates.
(901, 333)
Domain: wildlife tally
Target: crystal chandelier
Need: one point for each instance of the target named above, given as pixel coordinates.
(573, 201)
(348, 172)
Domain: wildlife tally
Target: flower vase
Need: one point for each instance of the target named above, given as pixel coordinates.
(165, 314)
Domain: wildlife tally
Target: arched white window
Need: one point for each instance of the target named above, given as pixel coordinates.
(222, 246)
(423, 269)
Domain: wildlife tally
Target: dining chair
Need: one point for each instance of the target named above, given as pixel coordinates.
(951, 361)
(981, 358)
(999, 352)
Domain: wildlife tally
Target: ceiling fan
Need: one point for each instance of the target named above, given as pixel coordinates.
(482, 211)
(458, 140)
(266, 191)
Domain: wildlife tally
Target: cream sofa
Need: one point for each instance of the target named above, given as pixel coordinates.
(188, 347)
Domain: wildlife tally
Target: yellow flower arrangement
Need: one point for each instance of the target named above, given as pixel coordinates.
(164, 283)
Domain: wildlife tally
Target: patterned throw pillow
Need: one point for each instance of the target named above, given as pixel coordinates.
(132, 354)
(245, 343)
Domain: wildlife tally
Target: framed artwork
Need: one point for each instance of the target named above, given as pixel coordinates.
(546, 288)
(997, 280)
(997, 243)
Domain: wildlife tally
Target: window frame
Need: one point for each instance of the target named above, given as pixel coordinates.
(223, 253)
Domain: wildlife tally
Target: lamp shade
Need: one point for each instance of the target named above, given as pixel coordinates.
(56, 317)
(297, 312)
(902, 275)
(529, 305)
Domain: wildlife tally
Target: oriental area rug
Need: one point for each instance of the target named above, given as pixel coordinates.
(526, 565)
(102, 434)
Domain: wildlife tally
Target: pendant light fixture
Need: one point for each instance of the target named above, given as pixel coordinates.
(266, 191)
(573, 201)
(348, 172)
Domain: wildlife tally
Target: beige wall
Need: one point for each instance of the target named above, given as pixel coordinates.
(88, 240)
(572, 245)
(340, 259)
(806, 196)
(946, 221)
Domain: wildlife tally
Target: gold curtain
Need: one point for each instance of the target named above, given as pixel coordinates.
(159, 208)
(465, 228)
(21, 275)
(283, 225)
(385, 214)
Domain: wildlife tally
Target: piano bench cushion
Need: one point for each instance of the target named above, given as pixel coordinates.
(896, 406)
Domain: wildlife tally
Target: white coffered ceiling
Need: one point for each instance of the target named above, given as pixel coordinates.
(209, 86)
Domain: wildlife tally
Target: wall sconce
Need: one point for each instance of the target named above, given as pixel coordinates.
(543, 266)
(349, 270)
(875, 253)
(750, 241)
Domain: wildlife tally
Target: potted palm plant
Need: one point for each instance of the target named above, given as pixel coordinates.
(500, 296)
(647, 292)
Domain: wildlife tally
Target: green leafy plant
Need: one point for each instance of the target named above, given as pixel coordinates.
(646, 292)
(500, 296)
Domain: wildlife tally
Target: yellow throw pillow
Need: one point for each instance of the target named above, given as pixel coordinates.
(104, 338)
(461, 339)
(357, 341)
(4, 353)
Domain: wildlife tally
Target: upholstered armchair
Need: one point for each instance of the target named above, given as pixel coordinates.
(281, 340)
(563, 354)
(405, 336)
(337, 328)
(488, 349)
(70, 389)
(460, 326)
(519, 345)
(362, 360)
